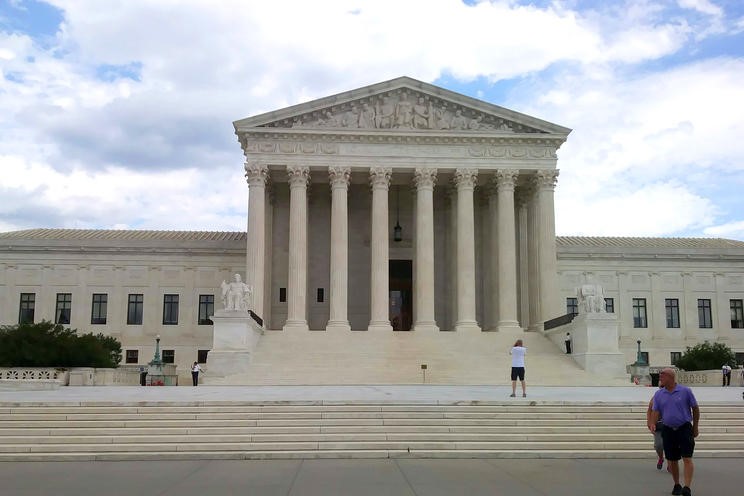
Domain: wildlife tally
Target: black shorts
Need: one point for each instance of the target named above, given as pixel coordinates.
(679, 442)
(517, 372)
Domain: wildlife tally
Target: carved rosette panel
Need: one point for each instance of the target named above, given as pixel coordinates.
(298, 176)
(425, 177)
(465, 178)
(379, 177)
(403, 109)
(256, 174)
(339, 177)
(546, 179)
(505, 179)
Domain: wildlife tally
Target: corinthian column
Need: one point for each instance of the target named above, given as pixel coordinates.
(424, 180)
(507, 259)
(465, 181)
(297, 284)
(545, 181)
(379, 178)
(339, 177)
(256, 175)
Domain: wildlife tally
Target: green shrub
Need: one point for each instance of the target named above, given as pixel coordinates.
(51, 345)
(706, 356)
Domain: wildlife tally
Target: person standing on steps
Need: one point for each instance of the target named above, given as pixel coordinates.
(518, 352)
(195, 369)
(679, 412)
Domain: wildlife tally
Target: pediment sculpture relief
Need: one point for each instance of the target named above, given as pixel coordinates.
(403, 110)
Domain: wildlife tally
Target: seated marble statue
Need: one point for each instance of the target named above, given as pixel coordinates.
(236, 294)
(591, 298)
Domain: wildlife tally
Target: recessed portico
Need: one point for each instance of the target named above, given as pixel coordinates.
(343, 170)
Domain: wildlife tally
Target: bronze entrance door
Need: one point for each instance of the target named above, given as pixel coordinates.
(401, 294)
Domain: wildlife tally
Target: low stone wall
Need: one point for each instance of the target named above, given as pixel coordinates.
(25, 378)
(699, 378)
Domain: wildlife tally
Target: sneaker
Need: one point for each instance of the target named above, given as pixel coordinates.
(524, 395)
(677, 489)
(660, 464)
(686, 491)
(512, 395)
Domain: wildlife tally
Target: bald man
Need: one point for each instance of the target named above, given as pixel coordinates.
(677, 407)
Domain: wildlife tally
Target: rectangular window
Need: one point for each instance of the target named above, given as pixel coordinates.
(610, 305)
(739, 358)
(705, 316)
(674, 356)
(201, 356)
(98, 312)
(135, 308)
(282, 295)
(572, 306)
(26, 309)
(170, 310)
(639, 312)
(206, 309)
(321, 295)
(64, 307)
(672, 313)
(132, 356)
(737, 314)
(169, 356)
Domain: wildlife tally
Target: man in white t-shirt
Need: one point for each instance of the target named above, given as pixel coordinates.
(518, 352)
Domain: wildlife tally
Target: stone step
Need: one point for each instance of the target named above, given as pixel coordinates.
(346, 454)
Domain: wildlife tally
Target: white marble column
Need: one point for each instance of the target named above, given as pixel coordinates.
(299, 178)
(465, 180)
(452, 257)
(380, 276)
(521, 199)
(507, 259)
(256, 175)
(339, 178)
(533, 262)
(545, 181)
(424, 179)
(493, 267)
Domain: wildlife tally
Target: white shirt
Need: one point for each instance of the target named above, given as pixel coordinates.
(517, 354)
(196, 368)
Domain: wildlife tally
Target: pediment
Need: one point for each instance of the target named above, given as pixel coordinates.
(400, 105)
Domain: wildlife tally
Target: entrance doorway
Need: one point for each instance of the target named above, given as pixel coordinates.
(401, 294)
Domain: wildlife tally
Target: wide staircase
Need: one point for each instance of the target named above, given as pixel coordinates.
(246, 430)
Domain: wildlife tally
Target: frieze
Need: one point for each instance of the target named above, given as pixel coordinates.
(289, 148)
(511, 152)
(403, 110)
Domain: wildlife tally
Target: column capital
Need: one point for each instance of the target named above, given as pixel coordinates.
(425, 177)
(465, 178)
(379, 177)
(339, 177)
(256, 174)
(298, 175)
(505, 179)
(546, 178)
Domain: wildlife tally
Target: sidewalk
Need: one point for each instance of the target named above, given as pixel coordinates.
(405, 477)
(355, 394)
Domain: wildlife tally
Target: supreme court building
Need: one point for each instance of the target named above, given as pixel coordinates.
(389, 227)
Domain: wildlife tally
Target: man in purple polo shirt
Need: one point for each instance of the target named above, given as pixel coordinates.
(677, 407)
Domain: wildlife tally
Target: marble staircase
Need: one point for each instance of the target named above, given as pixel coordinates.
(519, 428)
(368, 357)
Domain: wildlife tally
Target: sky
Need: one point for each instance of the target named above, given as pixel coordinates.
(118, 114)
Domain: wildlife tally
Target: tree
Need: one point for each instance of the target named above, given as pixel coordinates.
(706, 356)
(51, 345)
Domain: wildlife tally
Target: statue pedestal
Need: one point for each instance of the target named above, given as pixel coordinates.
(595, 344)
(236, 335)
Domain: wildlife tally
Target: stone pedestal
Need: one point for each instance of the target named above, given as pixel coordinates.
(236, 335)
(595, 347)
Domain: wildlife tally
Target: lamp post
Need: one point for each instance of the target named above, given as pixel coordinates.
(639, 357)
(156, 360)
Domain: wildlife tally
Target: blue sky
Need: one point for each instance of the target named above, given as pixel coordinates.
(119, 114)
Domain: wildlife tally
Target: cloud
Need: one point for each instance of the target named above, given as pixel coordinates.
(145, 92)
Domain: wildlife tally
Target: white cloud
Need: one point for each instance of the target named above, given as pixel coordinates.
(703, 6)
(729, 230)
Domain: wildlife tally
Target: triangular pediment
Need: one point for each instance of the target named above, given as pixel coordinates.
(400, 105)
